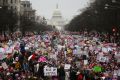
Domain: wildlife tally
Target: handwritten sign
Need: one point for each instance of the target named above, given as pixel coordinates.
(50, 71)
(67, 66)
(102, 59)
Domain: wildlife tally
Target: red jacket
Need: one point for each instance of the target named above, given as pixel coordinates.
(80, 77)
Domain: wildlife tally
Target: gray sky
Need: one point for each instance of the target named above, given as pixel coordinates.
(68, 8)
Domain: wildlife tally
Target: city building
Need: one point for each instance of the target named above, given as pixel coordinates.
(11, 4)
(57, 19)
(21, 7)
(14, 5)
(41, 19)
(27, 11)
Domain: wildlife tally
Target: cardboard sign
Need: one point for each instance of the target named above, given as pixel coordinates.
(67, 66)
(4, 65)
(50, 71)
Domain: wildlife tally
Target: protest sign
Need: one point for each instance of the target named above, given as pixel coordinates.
(85, 62)
(78, 63)
(102, 59)
(67, 66)
(4, 65)
(97, 69)
(1, 50)
(50, 71)
(26, 48)
(118, 60)
(9, 49)
(53, 56)
(42, 59)
(105, 50)
(2, 56)
(75, 51)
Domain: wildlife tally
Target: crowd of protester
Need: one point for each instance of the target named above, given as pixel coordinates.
(91, 56)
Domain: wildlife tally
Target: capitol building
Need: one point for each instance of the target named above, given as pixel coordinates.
(57, 20)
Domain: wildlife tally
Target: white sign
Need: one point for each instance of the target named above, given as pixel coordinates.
(53, 56)
(2, 56)
(118, 60)
(67, 66)
(26, 48)
(50, 71)
(1, 50)
(85, 62)
(78, 63)
(9, 50)
(105, 50)
(102, 59)
(4, 65)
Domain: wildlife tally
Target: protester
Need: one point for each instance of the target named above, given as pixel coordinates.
(60, 56)
(61, 72)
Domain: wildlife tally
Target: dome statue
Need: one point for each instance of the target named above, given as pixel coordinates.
(57, 19)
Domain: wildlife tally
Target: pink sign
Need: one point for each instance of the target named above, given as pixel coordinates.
(42, 59)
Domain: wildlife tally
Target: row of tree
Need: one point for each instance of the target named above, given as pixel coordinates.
(27, 25)
(102, 15)
(9, 22)
(8, 19)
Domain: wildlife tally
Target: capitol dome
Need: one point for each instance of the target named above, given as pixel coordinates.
(57, 13)
(57, 19)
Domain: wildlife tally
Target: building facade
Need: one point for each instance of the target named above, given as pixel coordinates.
(11, 4)
(41, 20)
(19, 7)
(27, 11)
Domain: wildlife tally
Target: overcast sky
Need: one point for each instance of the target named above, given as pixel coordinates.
(68, 8)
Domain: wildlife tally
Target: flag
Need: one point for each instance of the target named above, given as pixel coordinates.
(31, 57)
